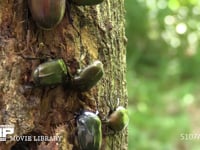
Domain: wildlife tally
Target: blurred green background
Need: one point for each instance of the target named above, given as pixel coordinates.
(163, 62)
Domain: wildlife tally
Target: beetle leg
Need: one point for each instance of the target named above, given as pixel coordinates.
(68, 10)
(27, 27)
(109, 104)
(110, 132)
(104, 120)
(28, 57)
(52, 87)
(29, 86)
(34, 58)
(97, 106)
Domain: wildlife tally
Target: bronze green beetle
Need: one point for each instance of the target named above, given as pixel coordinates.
(51, 73)
(119, 119)
(88, 77)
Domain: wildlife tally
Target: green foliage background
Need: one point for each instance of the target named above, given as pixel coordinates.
(163, 62)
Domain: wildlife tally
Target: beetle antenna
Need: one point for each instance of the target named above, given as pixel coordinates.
(118, 101)
(97, 112)
(42, 58)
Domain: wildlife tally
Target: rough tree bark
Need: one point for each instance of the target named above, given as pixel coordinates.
(44, 110)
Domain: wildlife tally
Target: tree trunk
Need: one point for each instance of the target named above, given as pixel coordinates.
(98, 33)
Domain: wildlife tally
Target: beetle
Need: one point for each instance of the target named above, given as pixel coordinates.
(86, 2)
(89, 131)
(55, 72)
(51, 73)
(47, 13)
(118, 119)
(88, 77)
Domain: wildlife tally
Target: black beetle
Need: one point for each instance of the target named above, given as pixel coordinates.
(47, 13)
(89, 131)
